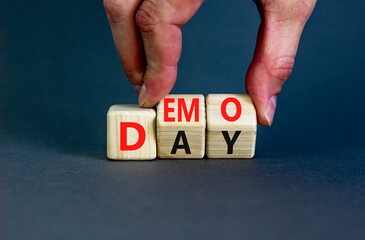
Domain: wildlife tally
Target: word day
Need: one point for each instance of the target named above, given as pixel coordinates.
(184, 126)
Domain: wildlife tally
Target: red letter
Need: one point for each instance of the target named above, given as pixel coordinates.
(224, 109)
(166, 109)
(182, 106)
(123, 136)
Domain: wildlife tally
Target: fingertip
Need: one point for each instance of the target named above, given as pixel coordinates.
(137, 88)
(157, 84)
(266, 118)
(259, 87)
(265, 108)
(143, 100)
(270, 110)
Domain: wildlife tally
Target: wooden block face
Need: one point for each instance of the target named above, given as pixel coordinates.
(181, 126)
(231, 126)
(131, 133)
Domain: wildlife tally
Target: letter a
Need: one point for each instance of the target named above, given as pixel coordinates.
(185, 145)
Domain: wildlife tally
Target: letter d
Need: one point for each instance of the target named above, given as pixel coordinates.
(123, 136)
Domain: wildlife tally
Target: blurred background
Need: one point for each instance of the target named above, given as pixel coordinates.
(60, 72)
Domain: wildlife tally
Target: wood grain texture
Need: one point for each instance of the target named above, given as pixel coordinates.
(131, 113)
(167, 132)
(246, 125)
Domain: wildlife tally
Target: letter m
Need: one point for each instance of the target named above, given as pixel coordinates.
(188, 114)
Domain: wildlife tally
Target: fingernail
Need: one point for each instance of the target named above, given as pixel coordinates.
(270, 109)
(142, 93)
(137, 88)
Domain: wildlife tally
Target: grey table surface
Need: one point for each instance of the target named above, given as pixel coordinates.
(59, 73)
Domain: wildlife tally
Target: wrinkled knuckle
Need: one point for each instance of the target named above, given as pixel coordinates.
(303, 10)
(198, 1)
(282, 68)
(117, 10)
(147, 16)
(296, 10)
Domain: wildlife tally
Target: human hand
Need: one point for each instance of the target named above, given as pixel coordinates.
(148, 39)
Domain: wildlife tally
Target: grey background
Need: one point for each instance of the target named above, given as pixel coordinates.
(59, 73)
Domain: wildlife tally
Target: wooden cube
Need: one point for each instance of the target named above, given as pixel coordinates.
(181, 126)
(231, 126)
(131, 133)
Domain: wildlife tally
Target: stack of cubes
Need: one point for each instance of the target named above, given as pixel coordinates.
(185, 126)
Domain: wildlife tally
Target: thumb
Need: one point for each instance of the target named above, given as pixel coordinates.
(276, 47)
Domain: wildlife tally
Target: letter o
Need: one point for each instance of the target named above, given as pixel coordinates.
(224, 109)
